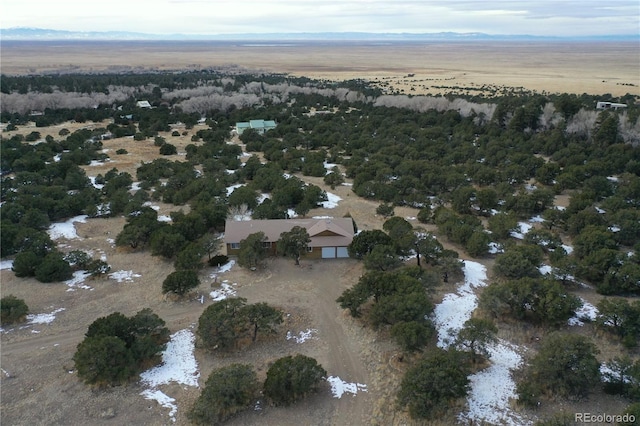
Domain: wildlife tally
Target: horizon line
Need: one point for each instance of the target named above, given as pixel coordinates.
(367, 35)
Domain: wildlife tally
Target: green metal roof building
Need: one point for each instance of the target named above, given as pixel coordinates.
(259, 126)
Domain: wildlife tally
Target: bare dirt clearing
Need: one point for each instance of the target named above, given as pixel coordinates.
(437, 67)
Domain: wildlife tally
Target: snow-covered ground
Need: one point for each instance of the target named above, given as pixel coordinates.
(495, 248)
(122, 276)
(456, 308)
(66, 229)
(491, 388)
(149, 204)
(587, 312)
(332, 201)
(224, 268)
(232, 188)
(93, 182)
(523, 228)
(567, 248)
(263, 196)
(226, 290)
(43, 318)
(100, 163)
(78, 281)
(302, 336)
(179, 365)
(339, 387)
(545, 269)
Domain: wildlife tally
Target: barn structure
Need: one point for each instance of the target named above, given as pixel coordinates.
(329, 237)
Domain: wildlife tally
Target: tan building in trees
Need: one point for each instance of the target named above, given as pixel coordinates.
(329, 237)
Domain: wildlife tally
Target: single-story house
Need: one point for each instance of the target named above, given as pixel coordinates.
(143, 104)
(329, 237)
(259, 126)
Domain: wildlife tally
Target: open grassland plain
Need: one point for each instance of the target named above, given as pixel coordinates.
(401, 67)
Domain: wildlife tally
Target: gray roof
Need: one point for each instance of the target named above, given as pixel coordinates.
(338, 231)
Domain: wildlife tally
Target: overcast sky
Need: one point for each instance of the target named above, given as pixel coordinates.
(545, 17)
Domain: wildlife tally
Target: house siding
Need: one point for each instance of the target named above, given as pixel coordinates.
(328, 234)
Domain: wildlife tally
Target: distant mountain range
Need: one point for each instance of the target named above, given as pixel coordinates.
(31, 34)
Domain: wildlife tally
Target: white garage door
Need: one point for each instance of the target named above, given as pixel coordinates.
(328, 252)
(342, 252)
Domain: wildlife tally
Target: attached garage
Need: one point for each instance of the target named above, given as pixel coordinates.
(342, 252)
(328, 252)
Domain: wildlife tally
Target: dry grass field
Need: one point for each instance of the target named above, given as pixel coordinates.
(412, 67)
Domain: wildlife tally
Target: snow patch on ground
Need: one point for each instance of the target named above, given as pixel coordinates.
(178, 365)
(587, 312)
(93, 182)
(545, 269)
(66, 229)
(493, 387)
(43, 318)
(332, 201)
(224, 268)
(523, 228)
(302, 336)
(226, 290)
(163, 399)
(263, 196)
(121, 276)
(456, 308)
(100, 163)
(495, 248)
(232, 188)
(149, 204)
(78, 281)
(339, 387)
(329, 166)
